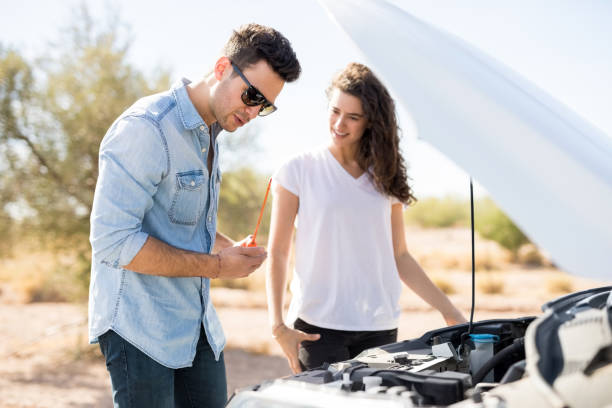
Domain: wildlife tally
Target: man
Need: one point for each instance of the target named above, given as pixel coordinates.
(153, 227)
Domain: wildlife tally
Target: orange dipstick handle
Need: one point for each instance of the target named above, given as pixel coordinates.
(252, 243)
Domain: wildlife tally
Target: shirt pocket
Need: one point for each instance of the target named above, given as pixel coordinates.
(189, 197)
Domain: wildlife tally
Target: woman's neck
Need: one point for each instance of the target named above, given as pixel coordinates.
(344, 155)
(347, 157)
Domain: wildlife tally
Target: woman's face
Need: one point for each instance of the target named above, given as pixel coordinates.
(347, 121)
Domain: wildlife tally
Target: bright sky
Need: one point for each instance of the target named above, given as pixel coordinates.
(562, 46)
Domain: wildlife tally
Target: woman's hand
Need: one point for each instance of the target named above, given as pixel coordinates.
(454, 317)
(289, 340)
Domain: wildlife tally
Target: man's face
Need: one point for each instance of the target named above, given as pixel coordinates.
(226, 102)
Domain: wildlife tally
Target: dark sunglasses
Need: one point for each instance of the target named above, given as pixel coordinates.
(252, 97)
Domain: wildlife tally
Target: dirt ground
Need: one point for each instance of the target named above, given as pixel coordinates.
(46, 361)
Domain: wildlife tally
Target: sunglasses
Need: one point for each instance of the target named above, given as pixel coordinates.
(252, 97)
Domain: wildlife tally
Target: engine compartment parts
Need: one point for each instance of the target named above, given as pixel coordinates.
(562, 358)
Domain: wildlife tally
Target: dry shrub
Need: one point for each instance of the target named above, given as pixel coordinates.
(39, 289)
(490, 284)
(444, 284)
(38, 277)
(485, 261)
(450, 262)
(529, 254)
(560, 284)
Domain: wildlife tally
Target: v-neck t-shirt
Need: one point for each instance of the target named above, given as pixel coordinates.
(345, 276)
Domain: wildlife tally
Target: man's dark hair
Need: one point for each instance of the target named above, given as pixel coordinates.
(253, 42)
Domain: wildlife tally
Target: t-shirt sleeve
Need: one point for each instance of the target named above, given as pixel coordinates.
(395, 200)
(288, 176)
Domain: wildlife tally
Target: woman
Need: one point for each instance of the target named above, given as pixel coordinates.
(350, 252)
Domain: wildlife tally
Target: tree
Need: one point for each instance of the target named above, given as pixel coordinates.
(53, 115)
(15, 94)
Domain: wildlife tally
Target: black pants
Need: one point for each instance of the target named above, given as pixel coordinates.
(338, 345)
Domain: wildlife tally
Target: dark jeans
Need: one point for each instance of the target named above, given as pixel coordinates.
(139, 381)
(338, 345)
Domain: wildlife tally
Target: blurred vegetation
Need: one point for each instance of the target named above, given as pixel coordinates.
(560, 284)
(490, 221)
(54, 111)
(433, 212)
(490, 284)
(240, 200)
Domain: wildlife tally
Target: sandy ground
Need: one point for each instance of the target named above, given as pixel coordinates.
(46, 361)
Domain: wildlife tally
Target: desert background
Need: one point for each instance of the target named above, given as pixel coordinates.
(63, 85)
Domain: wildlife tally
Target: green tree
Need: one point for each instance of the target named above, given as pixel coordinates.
(53, 115)
(16, 81)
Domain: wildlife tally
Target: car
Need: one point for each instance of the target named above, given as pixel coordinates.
(549, 170)
(562, 358)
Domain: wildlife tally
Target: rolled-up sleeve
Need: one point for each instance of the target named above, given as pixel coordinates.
(133, 160)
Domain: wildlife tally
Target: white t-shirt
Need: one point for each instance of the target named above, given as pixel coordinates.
(345, 274)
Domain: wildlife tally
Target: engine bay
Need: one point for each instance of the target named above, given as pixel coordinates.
(498, 363)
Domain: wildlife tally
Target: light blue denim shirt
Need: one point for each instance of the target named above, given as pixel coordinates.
(154, 180)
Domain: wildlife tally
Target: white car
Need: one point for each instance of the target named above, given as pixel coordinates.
(561, 359)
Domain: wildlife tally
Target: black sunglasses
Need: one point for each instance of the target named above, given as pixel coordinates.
(252, 97)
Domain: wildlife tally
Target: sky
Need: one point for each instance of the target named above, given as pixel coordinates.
(562, 46)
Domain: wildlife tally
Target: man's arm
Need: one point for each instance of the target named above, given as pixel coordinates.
(158, 258)
(221, 242)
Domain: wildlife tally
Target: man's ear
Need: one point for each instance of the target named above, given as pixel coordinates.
(223, 68)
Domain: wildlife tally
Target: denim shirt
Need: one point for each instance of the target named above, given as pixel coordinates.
(154, 181)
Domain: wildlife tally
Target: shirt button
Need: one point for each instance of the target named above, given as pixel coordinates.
(209, 218)
(192, 183)
(203, 149)
(202, 127)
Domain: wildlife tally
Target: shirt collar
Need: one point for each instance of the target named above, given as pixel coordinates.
(189, 115)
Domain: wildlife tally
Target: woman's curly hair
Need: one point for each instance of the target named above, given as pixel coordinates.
(378, 154)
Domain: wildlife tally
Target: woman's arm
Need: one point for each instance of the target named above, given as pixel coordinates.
(284, 210)
(414, 277)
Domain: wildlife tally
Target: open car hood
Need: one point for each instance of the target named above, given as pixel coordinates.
(546, 167)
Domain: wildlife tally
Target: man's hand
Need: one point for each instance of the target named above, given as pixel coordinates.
(244, 242)
(238, 262)
(289, 340)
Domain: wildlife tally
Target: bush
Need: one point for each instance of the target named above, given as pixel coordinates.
(490, 284)
(435, 212)
(560, 285)
(529, 255)
(444, 285)
(491, 223)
